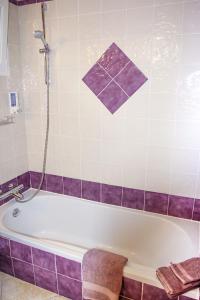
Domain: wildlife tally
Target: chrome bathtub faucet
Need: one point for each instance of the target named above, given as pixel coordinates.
(13, 192)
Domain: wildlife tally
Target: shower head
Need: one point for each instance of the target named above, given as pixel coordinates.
(38, 34)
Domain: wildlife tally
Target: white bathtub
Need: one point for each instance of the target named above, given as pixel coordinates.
(68, 226)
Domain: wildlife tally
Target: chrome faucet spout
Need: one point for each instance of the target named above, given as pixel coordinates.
(18, 195)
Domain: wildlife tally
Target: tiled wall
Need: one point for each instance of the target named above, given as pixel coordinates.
(13, 152)
(152, 142)
(181, 207)
(61, 275)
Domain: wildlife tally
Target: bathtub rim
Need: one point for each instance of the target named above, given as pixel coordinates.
(76, 253)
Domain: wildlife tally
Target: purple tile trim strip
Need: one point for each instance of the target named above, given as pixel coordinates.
(65, 279)
(181, 207)
(156, 202)
(114, 78)
(111, 194)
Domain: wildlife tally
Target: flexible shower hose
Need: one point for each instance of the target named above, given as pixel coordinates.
(46, 135)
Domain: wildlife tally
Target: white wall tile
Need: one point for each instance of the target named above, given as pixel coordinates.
(152, 142)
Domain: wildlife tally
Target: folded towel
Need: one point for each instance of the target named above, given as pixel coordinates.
(102, 275)
(172, 285)
(187, 271)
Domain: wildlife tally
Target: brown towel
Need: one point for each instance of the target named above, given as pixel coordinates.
(172, 285)
(102, 275)
(187, 271)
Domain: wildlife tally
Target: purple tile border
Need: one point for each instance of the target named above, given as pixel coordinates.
(177, 206)
(133, 198)
(180, 207)
(65, 279)
(111, 194)
(91, 190)
(156, 202)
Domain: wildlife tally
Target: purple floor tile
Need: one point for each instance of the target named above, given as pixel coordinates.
(131, 289)
(46, 279)
(111, 194)
(35, 178)
(133, 198)
(196, 212)
(153, 293)
(23, 271)
(68, 267)
(4, 247)
(131, 79)
(156, 202)
(180, 207)
(69, 288)
(21, 251)
(72, 187)
(91, 190)
(113, 60)
(43, 259)
(113, 97)
(96, 79)
(54, 183)
(25, 180)
(6, 265)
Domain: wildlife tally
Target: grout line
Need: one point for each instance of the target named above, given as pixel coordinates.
(33, 266)
(142, 291)
(56, 273)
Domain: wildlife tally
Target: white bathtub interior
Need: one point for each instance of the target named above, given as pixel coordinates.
(68, 226)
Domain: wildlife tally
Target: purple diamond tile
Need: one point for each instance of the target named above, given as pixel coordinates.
(25, 180)
(43, 259)
(113, 60)
(96, 79)
(91, 190)
(4, 247)
(126, 78)
(156, 202)
(111, 194)
(196, 211)
(131, 289)
(6, 265)
(35, 178)
(54, 183)
(180, 207)
(46, 279)
(113, 97)
(23, 271)
(153, 293)
(69, 288)
(21, 251)
(133, 198)
(68, 267)
(130, 79)
(72, 187)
